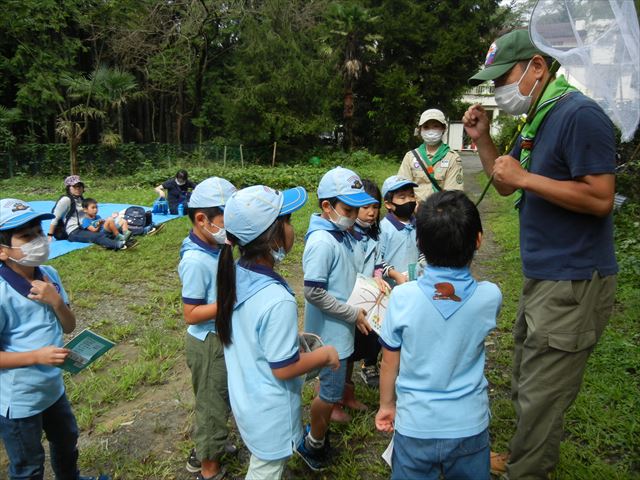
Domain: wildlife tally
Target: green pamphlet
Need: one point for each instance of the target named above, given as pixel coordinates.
(86, 348)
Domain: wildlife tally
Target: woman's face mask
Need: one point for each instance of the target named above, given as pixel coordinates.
(432, 136)
(509, 98)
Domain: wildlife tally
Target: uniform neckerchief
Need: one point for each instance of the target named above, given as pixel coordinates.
(556, 90)
(447, 288)
(443, 149)
(21, 284)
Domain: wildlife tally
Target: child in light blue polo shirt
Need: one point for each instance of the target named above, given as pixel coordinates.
(34, 313)
(257, 322)
(205, 356)
(433, 393)
(398, 247)
(329, 276)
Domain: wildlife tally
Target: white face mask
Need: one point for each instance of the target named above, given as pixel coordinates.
(278, 255)
(35, 252)
(363, 224)
(220, 237)
(180, 182)
(509, 98)
(432, 137)
(343, 223)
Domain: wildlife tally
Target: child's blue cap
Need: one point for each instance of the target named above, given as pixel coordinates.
(252, 210)
(394, 182)
(15, 213)
(346, 186)
(212, 192)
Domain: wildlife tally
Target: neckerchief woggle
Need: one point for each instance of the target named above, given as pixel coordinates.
(556, 90)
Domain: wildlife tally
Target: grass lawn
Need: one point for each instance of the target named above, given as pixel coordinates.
(134, 406)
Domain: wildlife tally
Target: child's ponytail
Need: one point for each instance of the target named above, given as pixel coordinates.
(226, 285)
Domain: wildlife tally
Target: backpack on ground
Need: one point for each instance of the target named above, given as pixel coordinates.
(139, 220)
(160, 206)
(60, 230)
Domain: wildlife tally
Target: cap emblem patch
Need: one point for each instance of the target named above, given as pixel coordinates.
(491, 55)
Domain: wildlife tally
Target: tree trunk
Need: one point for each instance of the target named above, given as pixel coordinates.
(120, 124)
(348, 118)
(73, 153)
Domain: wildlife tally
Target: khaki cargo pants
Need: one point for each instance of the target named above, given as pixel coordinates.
(557, 327)
(209, 379)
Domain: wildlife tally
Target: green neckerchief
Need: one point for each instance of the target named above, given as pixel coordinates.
(443, 149)
(556, 90)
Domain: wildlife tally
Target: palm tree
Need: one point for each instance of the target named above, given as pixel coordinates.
(350, 40)
(109, 89)
(113, 88)
(74, 120)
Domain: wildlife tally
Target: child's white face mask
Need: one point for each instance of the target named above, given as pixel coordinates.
(343, 223)
(35, 252)
(220, 237)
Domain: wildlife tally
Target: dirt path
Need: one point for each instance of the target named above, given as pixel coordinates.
(473, 188)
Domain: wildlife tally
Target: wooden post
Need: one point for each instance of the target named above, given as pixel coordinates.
(273, 158)
(241, 157)
(224, 157)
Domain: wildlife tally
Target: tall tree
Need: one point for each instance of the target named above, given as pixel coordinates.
(40, 42)
(112, 89)
(279, 87)
(349, 39)
(427, 51)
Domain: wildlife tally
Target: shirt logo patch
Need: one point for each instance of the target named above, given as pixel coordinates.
(416, 164)
(446, 291)
(491, 55)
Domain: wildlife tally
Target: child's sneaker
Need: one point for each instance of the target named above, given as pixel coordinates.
(315, 458)
(370, 375)
(193, 464)
(127, 235)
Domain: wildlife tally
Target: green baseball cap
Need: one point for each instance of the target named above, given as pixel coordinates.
(504, 53)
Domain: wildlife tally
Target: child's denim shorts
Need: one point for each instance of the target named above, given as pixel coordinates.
(332, 382)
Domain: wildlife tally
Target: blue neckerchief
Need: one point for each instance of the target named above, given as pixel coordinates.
(21, 284)
(400, 225)
(447, 288)
(318, 223)
(358, 236)
(251, 278)
(192, 239)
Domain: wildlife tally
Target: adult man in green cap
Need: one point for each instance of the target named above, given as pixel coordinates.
(562, 171)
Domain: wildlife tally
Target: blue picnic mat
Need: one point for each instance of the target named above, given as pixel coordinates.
(60, 247)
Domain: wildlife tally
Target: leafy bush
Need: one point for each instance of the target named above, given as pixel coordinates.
(508, 126)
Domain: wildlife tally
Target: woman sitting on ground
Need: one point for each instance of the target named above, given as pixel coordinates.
(69, 211)
(178, 190)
